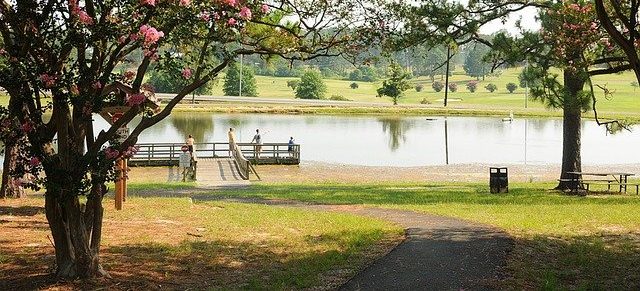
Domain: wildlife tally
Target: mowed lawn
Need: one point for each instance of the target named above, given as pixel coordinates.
(625, 97)
(174, 243)
(562, 242)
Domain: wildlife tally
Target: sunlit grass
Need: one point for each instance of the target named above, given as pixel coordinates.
(234, 246)
(562, 241)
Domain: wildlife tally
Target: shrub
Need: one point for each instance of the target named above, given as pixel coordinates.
(363, 74)
(472, 86)
(437, 86)
(511, 87)
(419, 87)
(339, 98)
(293, 84)
(311, 86)
(635, 85)
(354, 85)
(491, 87)
(453, 87)
(425, 101)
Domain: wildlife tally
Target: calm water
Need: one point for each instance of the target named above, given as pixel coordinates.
(408, 141)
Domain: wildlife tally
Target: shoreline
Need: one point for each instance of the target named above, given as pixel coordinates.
(319, 172)
(407, 110)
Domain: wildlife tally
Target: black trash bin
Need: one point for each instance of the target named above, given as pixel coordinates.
(498, 180)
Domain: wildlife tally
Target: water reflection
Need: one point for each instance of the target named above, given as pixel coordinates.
(407, 141)
(196, 125)
(397, 129)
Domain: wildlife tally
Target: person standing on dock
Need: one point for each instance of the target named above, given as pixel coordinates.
(232, 140)
(190, 142)
(290, 147)
(258, 140)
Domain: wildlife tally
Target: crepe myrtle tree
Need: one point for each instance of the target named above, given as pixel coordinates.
(64, 58)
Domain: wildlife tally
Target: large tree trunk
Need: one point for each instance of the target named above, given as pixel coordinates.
(76, 231)
(571, 130)
(8, 188)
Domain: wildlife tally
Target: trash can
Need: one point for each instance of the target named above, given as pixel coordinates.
(498, 180)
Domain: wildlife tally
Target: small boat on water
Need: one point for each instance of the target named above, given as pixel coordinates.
(510, 118)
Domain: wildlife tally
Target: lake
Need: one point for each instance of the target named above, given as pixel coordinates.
(405, 141)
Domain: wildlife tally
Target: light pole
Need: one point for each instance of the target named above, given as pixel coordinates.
(240, 90)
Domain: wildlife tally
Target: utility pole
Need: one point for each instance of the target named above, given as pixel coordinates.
(446, 80)
(240, 91)
(526, 87)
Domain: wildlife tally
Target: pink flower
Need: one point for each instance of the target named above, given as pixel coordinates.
(85, 18)
(216, 16)
(111, 153)
(135, 99)
(48, 80)
(245, 13)
(122, 39)
(148, 2)
(97, 85)
(26, 127)
(264, 8)
(205, 16)
(186, 73)
(232, 21)
(185, 2)
(232, 2)
(34, 162)
(150, 34)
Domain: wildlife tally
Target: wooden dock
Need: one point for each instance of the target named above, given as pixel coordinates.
(168, 154)
(218, 172)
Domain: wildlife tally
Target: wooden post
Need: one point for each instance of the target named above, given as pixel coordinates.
(119, 191)
(125, 171)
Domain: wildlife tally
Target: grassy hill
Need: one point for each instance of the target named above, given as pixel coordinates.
(625, 98)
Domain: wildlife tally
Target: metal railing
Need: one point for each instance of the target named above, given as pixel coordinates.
(170, 152)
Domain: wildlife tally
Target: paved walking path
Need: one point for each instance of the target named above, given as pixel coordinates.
(439, 253)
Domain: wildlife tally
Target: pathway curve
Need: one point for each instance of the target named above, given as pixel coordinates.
(439, 253)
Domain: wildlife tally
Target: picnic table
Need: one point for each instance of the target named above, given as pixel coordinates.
(615, 178)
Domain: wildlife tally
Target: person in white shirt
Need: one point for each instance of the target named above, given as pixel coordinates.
(258, 140)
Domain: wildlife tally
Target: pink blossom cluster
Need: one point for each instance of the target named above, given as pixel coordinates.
(130, 151)
(570, 31)
(150, 34)
(185, 2)
(82, 15)
(26, 127)
(34, 162)
(148, 2)
(135, 99)
(186, 73)
(111, 153)
(97, 85)
(245, 13)
(48, 80)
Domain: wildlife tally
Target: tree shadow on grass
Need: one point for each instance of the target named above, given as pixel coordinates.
(211, 264)
(597, 262)
(21, 210)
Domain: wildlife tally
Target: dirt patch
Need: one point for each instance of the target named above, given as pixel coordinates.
(336, 173)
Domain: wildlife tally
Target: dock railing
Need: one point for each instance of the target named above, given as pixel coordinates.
(166, 154)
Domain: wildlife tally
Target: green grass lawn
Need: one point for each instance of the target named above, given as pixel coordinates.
(4, 99)
(625, 99)
(562, 241)
(175, 242)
